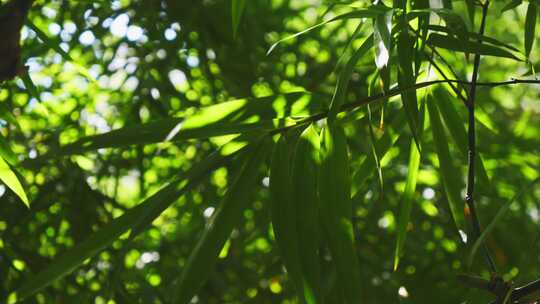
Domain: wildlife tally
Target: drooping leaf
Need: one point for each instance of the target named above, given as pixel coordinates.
(8, 177)
(407, 201)
(370, 12)
(232, 117)
(283, 209)
(228, 214)
(389, 138)
(340, 92)
(454, 44)
(511, 4)
(530, 27)
(481, 239)
(476, 36)
(406, 79)
(133, 221)
(456, 127)
(238, 7)
(304, 185)
(336, 210)
(447, 170)
(6, 153)
(30, 86)
(471, 9)
(382, 37)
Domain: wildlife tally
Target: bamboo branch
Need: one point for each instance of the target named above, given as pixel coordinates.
(472, 146)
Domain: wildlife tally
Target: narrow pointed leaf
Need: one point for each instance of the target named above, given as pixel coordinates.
(336, 210)
(306, 199)
(407, 79)
(407, 202)
(530, 27)
(450, 180)
(134, 219)
(454, 44)
(456, 127)
(232, 117)
(382, 35)
(471, 9)
(356, 14)
(511, 4)
(340, 93)
(238, 7)
(283, 210)
(228, 214)
(476, 36)
(502, 211)
(8, 177)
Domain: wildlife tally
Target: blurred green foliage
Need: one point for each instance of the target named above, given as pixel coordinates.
(155, 70)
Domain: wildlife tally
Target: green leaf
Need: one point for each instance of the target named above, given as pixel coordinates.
(456, 127)
(530, 27)
(382, 35)
(340, 93)
(511, 4)
(232, 117)
(450, 180)
(238, 7)
(407, 201)
(135, 219)
(371, 12)
(228, 214)
(406, 79)
(454, 22)
(471, 9)
(481, 239)
(336, 210)
(304, 185)
(283, 209)
(6, 153)
(389, 138)
(30, 86)
(454, 44)
(10, 179)
(475, 36)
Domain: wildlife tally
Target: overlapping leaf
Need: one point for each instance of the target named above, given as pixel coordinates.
(334, 190)
(228, 214)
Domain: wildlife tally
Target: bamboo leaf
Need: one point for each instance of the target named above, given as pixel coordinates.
(6, 153)
(382, 35)
(406, 78)
(8, 177)
(530, 27)
(451, 182)
(228, 214)
(232, 117)
(475, 36)
(134, 219)
(502, 211)
(407, 201)
(511, 4)
(336, 210)
(283, 210)
(370, 12)
(238, 7)
(340, 93)
(454, 44)
(471, 9)
(456, 127)
(304, 185)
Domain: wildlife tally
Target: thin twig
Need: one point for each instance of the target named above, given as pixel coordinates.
(472, 146)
